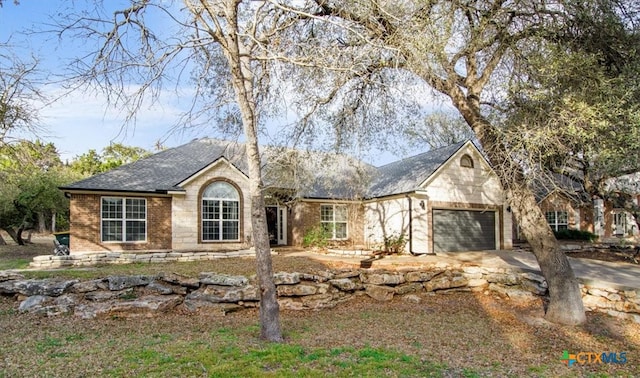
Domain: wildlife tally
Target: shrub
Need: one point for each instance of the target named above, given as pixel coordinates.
(317, 236)
(575, 235)
(394, 243)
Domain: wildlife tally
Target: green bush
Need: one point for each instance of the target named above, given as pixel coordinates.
(394, 243)
(318, 236)
(575, 235)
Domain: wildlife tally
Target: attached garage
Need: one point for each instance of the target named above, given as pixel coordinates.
(463, 230)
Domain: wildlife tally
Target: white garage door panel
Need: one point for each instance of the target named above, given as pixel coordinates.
(463, 230)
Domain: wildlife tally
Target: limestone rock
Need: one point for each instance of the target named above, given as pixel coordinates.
(145, 306)
(87, 286)
(345, 284)
(222, 294)
(446, 282)
(164, 289)
(179, 279)
(107, 295)
(32, 302)
(28, 288)
(222, 279)
(6, 275)
(284, 278)
(422, 276)
(296, 290)
(503, 278)
(380, 293)
(407, 288)
(125, 282)
(382, 278)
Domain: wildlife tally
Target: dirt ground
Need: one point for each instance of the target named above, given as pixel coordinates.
(473, 334)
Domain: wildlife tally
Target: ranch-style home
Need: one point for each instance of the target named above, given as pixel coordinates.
(195, 197)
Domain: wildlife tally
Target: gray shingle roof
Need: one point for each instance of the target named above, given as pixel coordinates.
(316, 175)
(165, 170)
(406, 175)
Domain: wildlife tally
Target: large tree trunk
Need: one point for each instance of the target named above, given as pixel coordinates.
(42, 224)
(565, 299)
(242, 80)
(16, 235)
(2, 241)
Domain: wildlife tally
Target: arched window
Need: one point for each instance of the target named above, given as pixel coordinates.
(220, 212)
(466, 161)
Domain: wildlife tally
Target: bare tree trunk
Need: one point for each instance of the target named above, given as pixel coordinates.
(16, 235)
(565, 298)
(53, 222)
(42, 224)
(242, 79)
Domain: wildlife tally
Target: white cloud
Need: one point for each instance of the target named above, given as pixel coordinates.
(81, 121)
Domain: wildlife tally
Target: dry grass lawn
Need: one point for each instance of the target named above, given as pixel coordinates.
(459, 334)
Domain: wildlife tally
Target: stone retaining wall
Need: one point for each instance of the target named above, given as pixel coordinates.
(144, 295)
(96, 258)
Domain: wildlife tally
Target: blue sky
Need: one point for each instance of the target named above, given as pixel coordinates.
(81, 121)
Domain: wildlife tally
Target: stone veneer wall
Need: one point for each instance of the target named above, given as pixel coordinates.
(91, 259)
(148, 295)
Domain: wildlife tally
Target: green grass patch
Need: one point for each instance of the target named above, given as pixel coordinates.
(226, 356)
(14, 264)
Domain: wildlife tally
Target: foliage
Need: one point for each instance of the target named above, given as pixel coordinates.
(112, 156)
(318, 236)
(395, 243)
(18, 93)
(30, 174)
(575, 235)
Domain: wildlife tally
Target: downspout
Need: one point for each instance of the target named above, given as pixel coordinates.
(410, 225)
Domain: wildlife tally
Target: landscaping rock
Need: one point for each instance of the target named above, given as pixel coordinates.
(503, 279)
(179, 279)
(411, 298)
(296, 290)
(407, 288)
(382, 278)
(32, 302)
(445, 282)
(380, 293)
(125, 282)
(88, 286)
(228, 294)
(222, 279)
(160, 288)
(345, 284)
(8, 276)
(145, 306)
(28, 288)
(284, 278)
(422, 276)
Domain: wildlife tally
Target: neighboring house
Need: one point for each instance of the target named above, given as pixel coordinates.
(196, 198)
(567, 206)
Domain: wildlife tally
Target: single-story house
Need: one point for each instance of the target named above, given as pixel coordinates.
(195, 197)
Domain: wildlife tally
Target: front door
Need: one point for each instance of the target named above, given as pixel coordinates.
(277, 225)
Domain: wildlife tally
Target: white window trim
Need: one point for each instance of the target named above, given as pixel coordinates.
(221, 220)
(124, 221)
(333, 221)
(554, 225)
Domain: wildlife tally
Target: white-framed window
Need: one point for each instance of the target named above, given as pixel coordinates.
(558, 220)
(220, 212)
(123, 219)
(333, 218)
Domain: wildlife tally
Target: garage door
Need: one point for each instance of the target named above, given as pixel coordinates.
(462, 230)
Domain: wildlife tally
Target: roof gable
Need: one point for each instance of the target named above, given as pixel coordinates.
(407, 175)
(467, 148)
